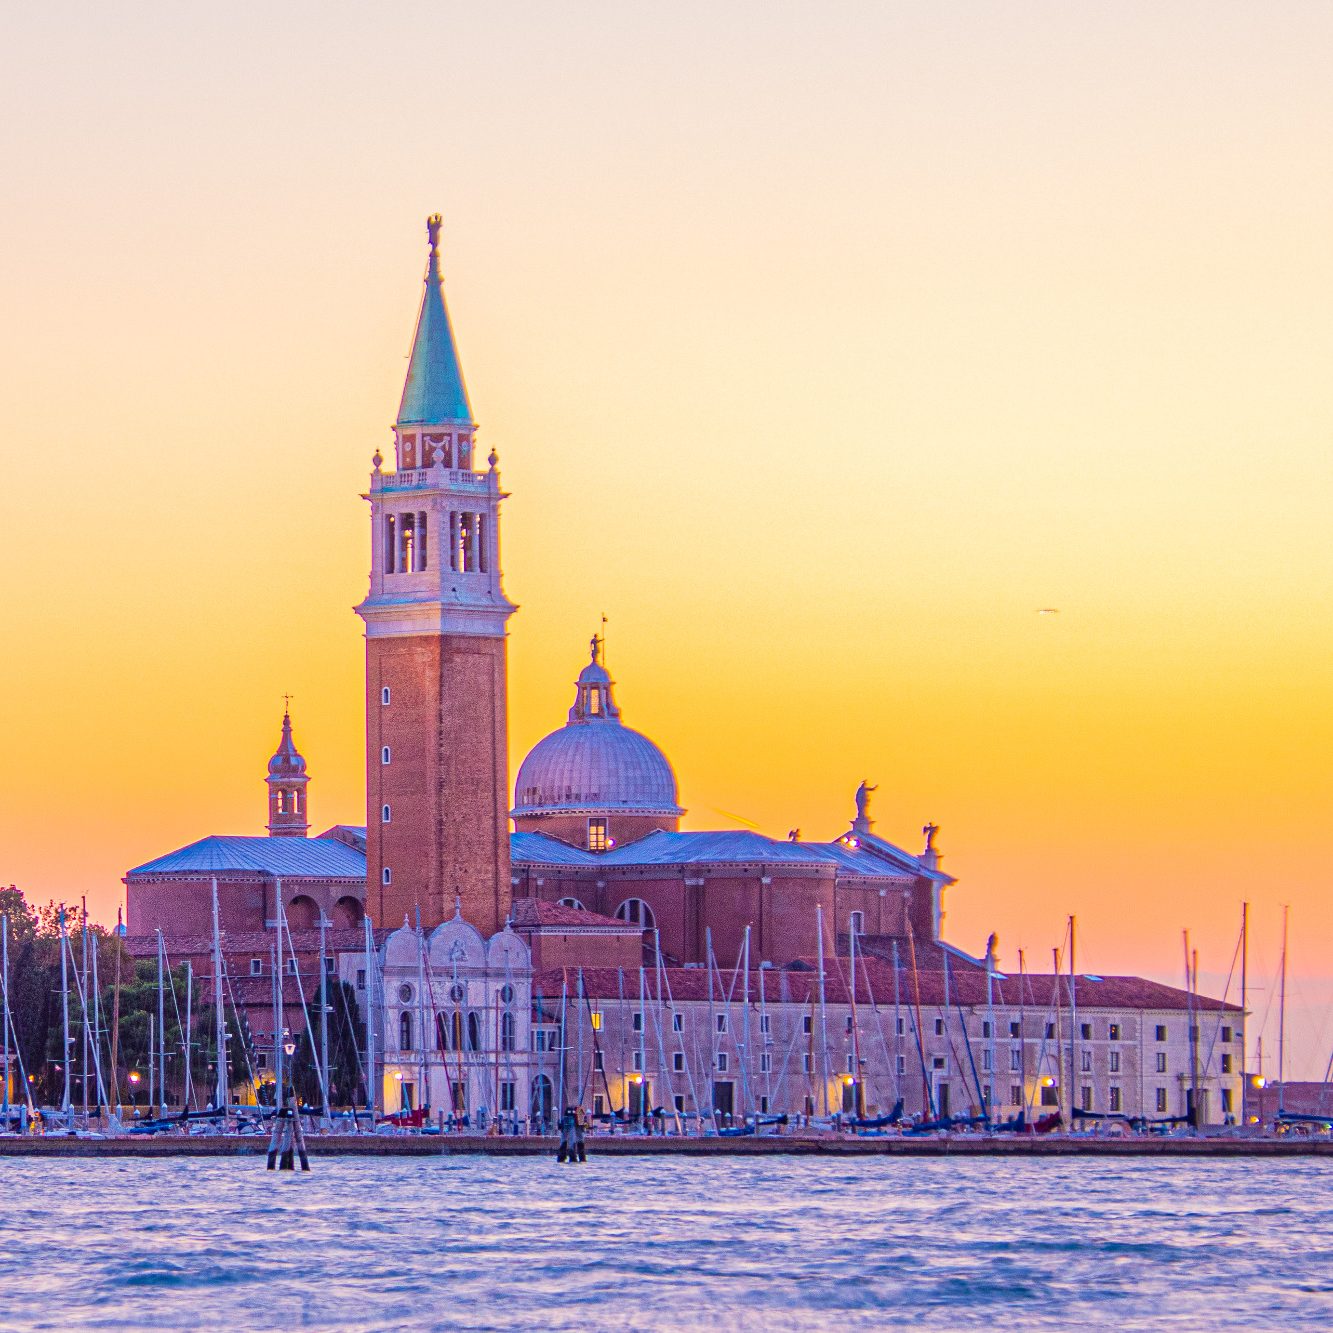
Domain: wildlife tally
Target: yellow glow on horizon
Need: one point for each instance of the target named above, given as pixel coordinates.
(822, 355)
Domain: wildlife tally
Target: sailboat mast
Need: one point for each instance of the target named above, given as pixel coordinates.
(644, 1087)
(990, 1014)
(161, 1025)
(65, 1107)
(279, 999)
(100, 1085)
(1022, 1034)
(765, 1055)
(371, 1098)
(1061, 1087)
(858, 1088)
(1282, 1023)
(1073, 1022)
(823, 1009)
(1193, 1037)
(747, 1064)
(898, 1061)
(189, 1033)
(423, 1087)
(564, 1047)
(324, 1018)
(4, 977)
(115, 1018)
(220, 1093)
(1244, 993)
(84, 1007)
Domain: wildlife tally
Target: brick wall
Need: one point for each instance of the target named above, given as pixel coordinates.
(446, 783)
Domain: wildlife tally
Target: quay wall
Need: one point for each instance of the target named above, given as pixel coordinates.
(374, 1145)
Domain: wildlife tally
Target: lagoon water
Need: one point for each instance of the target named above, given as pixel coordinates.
(481, 1243)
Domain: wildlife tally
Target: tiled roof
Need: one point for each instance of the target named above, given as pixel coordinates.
(535, 914)
(256, 942)
(729, 846)
(724, 847)
(538, 849)
(873, 855)
(313, 858)
(875, 980)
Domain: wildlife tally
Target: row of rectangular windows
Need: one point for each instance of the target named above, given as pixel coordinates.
(807, 1026)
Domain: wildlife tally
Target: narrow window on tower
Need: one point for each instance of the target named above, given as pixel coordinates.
(453, 540)
(385, 696)
(597, 835)
(465, 543)
(408, 527)
(386, 875)
(385, 755)
(594, 701)
(390, 544)
(421, 541)
(483, 564)
(282, 802)
(386, 815)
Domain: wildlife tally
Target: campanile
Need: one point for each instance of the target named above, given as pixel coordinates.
(437, 773)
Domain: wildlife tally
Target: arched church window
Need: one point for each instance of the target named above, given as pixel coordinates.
(474, 1031)
(456, 1030)
(441, 1033)
(571, 902)
(386, 875)
(507, 1030)
(638, 913)
(404, 1031)
(386, 814)
(386, 755)
(385, 696)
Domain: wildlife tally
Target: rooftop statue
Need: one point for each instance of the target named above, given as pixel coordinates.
(863, 799)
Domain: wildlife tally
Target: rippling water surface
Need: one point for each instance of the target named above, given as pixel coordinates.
(652, 1243)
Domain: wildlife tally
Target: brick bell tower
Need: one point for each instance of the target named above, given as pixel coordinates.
(437, 772)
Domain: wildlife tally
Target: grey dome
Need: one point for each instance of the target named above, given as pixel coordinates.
(595, 763)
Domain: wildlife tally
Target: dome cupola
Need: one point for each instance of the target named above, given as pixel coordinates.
(595, 782)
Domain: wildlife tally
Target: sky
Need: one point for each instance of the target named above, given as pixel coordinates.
(822, 346)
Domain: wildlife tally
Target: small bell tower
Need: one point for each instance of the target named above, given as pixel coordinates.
(287, 779)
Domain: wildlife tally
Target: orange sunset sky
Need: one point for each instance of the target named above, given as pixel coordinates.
(821, 345)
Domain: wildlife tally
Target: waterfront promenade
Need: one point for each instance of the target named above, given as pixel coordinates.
(634, 1145)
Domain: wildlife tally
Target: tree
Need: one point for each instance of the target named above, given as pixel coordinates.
(346, 1075)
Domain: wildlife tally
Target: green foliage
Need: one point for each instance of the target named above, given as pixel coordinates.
(346, 1075)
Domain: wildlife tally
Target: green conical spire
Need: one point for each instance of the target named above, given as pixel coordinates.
(434, 392)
